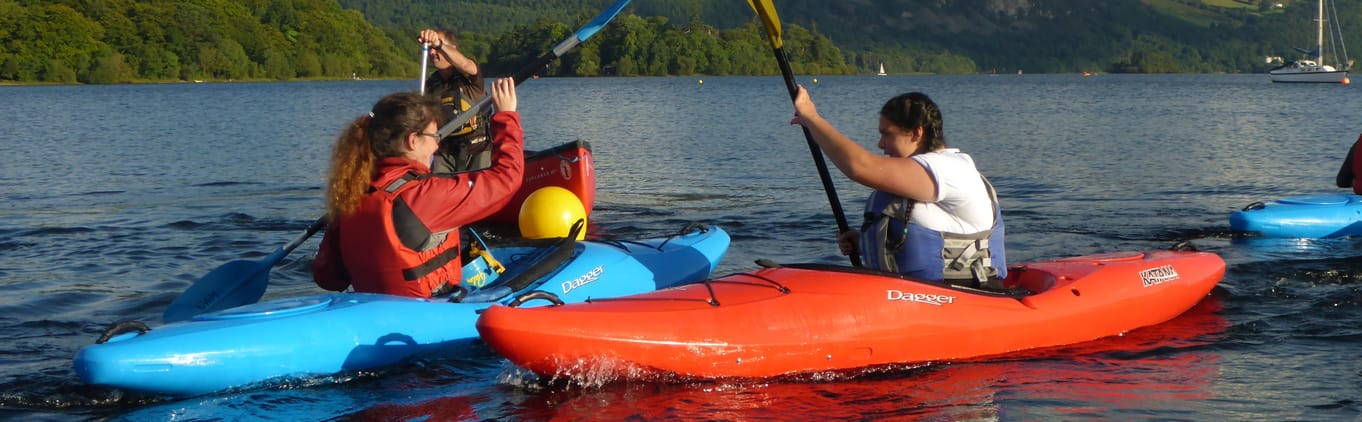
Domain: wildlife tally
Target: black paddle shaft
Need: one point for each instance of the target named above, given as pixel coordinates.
(817, 153)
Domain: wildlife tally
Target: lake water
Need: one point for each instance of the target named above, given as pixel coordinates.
(114, 198)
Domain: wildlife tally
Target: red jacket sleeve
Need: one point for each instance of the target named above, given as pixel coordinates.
(1348, 172)
(328, 270)
(446, 202)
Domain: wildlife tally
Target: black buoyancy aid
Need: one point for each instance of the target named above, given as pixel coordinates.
(891, 243)
(454, 101)
(389, 250)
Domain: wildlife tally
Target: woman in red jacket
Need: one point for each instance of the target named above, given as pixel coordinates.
(393, 225)
(1351, 172)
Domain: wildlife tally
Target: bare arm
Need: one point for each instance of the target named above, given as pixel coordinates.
(897, 175)
(461, 63)
(449, 49)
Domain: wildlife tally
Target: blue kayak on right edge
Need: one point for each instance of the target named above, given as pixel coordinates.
(1304, 216)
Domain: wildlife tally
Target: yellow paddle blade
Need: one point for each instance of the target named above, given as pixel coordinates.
(767, 12)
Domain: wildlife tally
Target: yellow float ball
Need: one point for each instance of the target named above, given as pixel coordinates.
(550, 212)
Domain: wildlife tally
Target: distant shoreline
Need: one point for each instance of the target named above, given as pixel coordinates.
(204, 81)
(11, 83)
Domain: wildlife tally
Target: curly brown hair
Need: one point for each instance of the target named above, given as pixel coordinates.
(371, 137)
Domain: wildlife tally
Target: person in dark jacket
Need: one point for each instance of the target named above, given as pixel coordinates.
(457, 82)
(1351, 172)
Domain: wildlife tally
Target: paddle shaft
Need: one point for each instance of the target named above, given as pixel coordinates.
(425, 56)
(232, 284)
(526, 72)
(311, 230)
(820, 162)
(772, 23)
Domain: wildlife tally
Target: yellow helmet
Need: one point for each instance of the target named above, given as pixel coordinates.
(550, 212)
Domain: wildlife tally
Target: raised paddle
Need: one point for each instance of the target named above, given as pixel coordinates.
(767, 12)
(233, 284)
(425, 56)
(243, 282)
(578, 37)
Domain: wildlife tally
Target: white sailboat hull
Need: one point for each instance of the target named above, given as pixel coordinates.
(1320, 76)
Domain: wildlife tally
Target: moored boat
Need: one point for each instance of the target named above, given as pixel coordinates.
(1307, 71)
(330, 333)
(1311, 68)
(798, 319)
(1302, 216)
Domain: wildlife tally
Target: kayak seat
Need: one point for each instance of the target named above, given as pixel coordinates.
(523, 271)
(1031, 281)
(550, 258)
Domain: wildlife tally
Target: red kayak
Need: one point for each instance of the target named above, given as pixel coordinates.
(567, 166)
(809, 318)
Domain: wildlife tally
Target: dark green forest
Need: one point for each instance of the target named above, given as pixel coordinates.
(116, 41)
(962, 36)
(120, 41)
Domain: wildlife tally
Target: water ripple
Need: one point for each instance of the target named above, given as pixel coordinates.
(1082, 165)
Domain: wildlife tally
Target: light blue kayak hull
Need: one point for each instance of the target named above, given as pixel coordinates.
(331, 333)
(1305, 216)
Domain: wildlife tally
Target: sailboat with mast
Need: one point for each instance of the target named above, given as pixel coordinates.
(881, 70)
(1311, 68)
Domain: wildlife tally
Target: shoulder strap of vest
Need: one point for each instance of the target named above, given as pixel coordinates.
(410, 230)
(967, 256)
(903, 208)
(402, 183)
(993, 200)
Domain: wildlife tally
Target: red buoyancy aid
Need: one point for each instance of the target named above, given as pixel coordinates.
(1357, 167)
(377, 259)
(389, 248)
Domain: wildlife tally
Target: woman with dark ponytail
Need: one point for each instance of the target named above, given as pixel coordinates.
(932, 215)
(393, 225)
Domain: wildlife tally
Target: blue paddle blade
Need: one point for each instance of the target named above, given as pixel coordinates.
(521, 75)
(233, 284)
(599, 22)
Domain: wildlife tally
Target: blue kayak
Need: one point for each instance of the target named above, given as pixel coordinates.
(1304, 216)
(331, 333)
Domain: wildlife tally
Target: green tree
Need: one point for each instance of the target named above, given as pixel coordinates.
(586, 61)
(309, 65)
(336, 65)
(50, 41)
(225, 59)
(110, 68)
(58, 71)
(277, 65)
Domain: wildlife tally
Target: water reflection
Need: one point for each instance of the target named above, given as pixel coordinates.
(1161, 369)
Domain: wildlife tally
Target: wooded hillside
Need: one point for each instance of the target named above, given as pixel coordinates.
(117, 41)
(963, 36)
